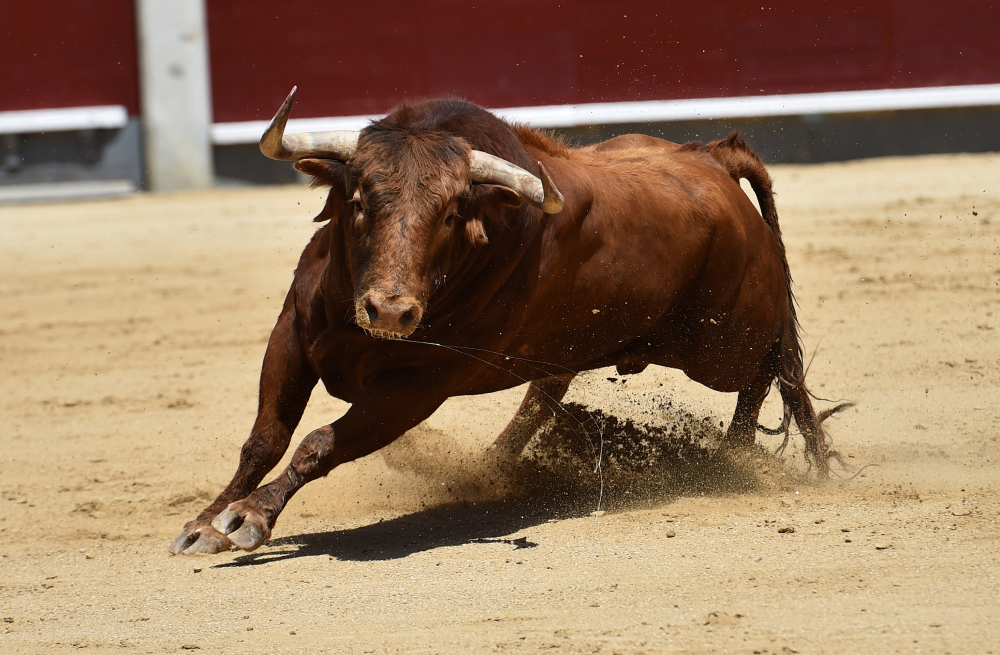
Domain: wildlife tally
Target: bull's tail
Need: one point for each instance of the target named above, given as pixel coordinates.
(733, 154)
(795, 396)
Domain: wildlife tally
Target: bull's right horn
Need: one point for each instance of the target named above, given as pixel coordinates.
(542, 193)
(339, 145)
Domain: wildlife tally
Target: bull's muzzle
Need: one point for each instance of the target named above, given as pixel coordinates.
(388, 316)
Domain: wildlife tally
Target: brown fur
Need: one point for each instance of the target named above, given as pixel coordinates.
(542, 140)
(657, 258)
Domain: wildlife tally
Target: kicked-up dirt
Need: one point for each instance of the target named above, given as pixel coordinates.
(131, 334)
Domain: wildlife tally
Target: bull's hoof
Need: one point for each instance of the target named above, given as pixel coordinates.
(204, 541)
(250, 536)
(181, 543)
(246, 532)
(210, 542)
(227, 521)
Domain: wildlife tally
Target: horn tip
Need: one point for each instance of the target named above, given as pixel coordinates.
(552, 199)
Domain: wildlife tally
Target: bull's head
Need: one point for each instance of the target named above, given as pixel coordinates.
(401, 189)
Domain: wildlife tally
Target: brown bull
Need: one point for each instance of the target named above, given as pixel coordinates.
(442, 251)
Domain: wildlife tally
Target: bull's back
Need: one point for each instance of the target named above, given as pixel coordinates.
(658, 208)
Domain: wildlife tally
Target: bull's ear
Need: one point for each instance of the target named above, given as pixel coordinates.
(487, 202)
(497, 196)
(484, 204)
(330, 173)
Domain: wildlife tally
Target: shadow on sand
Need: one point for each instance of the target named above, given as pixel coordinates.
(438, 527)
(556, 490)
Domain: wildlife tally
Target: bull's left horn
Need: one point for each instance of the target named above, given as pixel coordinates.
(275, 144)
(542, 193)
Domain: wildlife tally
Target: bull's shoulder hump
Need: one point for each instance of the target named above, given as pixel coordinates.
(631, 142)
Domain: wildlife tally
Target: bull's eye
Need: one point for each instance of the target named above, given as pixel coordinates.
(449, 219)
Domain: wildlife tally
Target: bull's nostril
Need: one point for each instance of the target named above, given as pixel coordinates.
(407, 318)
(372, 312)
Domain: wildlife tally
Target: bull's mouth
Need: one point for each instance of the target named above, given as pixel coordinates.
(386, 316)
(385, 334)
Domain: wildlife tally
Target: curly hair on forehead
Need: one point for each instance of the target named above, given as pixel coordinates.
(481, 129)
(396, 163)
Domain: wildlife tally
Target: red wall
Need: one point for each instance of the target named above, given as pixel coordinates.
(352, 57)
(363, 57)
(68, 53)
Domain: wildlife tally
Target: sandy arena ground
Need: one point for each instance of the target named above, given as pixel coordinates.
(131, 334)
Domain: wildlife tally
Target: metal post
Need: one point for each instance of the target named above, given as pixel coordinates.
(176, 96)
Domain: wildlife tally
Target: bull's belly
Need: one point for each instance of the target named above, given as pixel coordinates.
(723, 360)
(726, 369)
(721, 365)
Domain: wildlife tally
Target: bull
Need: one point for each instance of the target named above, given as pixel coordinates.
(462, 254)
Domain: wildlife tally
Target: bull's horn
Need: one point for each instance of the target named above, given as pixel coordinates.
(542, 193)
(275, 144)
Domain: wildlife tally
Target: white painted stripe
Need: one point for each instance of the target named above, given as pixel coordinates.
(62, 120)
(651, 111)
(840, 102)
(56, 191)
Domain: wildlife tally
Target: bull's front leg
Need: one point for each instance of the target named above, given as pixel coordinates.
(286, 381)
(390, 406)
(541, 402)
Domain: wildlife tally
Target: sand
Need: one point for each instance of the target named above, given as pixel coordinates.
(131, 335)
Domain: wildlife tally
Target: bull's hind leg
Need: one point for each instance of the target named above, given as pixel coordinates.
(540, 403)
(742, 432)
(285, 384)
